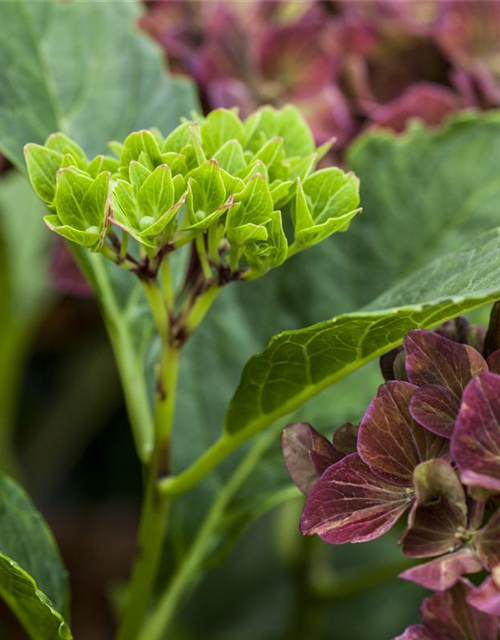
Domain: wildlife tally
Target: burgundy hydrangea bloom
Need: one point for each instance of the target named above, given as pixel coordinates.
(475, 443)
(362, 496)
(307, 454)
(486, 597)
(449, 616)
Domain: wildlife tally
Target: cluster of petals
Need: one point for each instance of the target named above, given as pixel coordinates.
(429, 446)
(338, 62)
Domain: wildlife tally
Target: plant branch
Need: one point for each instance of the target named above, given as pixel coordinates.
(188, 572)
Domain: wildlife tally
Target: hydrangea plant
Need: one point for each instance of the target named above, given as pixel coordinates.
(428, 445)
(241, 197)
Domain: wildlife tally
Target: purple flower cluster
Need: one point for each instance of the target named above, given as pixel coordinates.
(428, 445)
(344, 63)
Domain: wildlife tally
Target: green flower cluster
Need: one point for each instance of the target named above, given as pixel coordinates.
(219, 181)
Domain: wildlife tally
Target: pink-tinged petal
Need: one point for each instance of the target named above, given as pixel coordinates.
(430, 103)
(438, 519)
(390, 442)
(350, 504)
(442, 573)
(475, 444)
(307, 454)
(433, 530)
(488, 542)
(328, 114)
(230, 92)
(415, 632)
(486, 597)
(293, 56)
(493, 362)
(345, 438)
(433, 359)
(435, 408)
(448, 616)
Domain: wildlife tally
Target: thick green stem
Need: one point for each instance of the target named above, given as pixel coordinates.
(201, 307)
(155, 507)
(189, 570)
(148, 554)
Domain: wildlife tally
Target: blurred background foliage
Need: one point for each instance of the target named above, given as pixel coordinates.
(360, 71)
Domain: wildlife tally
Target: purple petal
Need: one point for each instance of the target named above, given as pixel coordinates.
(415, 632)
(439, 516)
(475, 444)
(307, 454)
(345, 438)
(429, 102)
(488, 542)
(293, 56)
(389, 439)
(442, 573)
(435, 408)
(486, 597)
(493, 362)
(447, 616)
(432, 359)
(351, 504)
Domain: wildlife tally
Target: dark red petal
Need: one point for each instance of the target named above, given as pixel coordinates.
(390, 441)
(442, 573)
(448, 616)
(307, 454)
(475, 444)
(488, 542)
(432, 359)
(436, 409)
(486, 597)
(351, 504)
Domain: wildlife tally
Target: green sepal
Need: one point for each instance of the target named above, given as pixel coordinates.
(232, 184)
(150, 236)
(246, 233)
(117, 148)
(176, 162)
(88, 239)
(265, 256)
(281, 192)
(156, 194)
(81, 202)
(219, 127)
(324, 204)
(197, 146)
(138, 143)
(231, 157)
(256, 204)
(43, 165)
(301, 168)
(179, 139)
(272, 155)
(206, 223)
(138, 174)
(62, 144)
(288, 123)
(206, 191)
(255, 167)
(180, 187)
(125, 206)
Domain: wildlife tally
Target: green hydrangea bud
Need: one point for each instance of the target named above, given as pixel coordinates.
(230, 181)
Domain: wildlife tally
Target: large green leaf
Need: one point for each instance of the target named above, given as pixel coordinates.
(33, 580)
(24, 251)
(81, 68)
(299, 364)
